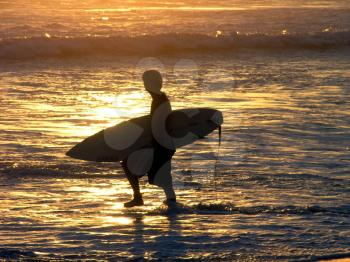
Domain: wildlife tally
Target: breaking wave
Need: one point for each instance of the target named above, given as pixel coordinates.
(39, 47)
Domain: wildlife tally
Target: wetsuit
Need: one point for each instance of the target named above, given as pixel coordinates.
(162, 154)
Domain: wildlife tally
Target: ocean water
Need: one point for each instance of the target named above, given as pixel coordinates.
(278, 187)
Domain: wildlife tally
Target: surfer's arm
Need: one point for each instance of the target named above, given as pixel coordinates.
(161, 136)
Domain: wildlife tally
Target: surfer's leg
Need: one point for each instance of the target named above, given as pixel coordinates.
(164, 180)
(134, 182)
(135, 185)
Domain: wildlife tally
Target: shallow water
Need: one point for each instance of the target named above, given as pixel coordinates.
(279, 190)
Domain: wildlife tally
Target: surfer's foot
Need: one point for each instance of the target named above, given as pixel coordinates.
(170, 201)
(135, 202)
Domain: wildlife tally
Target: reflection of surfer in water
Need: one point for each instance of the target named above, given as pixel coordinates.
(159, 157)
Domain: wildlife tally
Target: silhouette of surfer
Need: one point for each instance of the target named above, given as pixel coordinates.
(162, 151)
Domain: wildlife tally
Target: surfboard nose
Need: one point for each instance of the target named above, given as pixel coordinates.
(72, 152)
(80, 152)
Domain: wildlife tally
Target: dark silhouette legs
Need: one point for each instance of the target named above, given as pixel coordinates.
(159, 175)
(135, 185)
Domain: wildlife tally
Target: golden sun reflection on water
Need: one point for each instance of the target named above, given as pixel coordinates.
(100, 111)
(94, 190)
(123, 106)
(117, 205)
(117, 220)
(167, 8)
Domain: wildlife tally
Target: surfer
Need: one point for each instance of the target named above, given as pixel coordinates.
(163, 150)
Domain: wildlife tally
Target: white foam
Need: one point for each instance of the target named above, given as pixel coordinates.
(36, 47)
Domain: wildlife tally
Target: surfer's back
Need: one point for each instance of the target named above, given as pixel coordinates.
(160, 110)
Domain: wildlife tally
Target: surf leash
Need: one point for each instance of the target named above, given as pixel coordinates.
(216, 162)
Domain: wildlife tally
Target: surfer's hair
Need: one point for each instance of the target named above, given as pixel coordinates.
(152, 78)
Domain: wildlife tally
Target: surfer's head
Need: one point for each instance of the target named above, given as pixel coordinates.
(153, 81)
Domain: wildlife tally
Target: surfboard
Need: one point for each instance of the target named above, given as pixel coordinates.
(115, 143)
